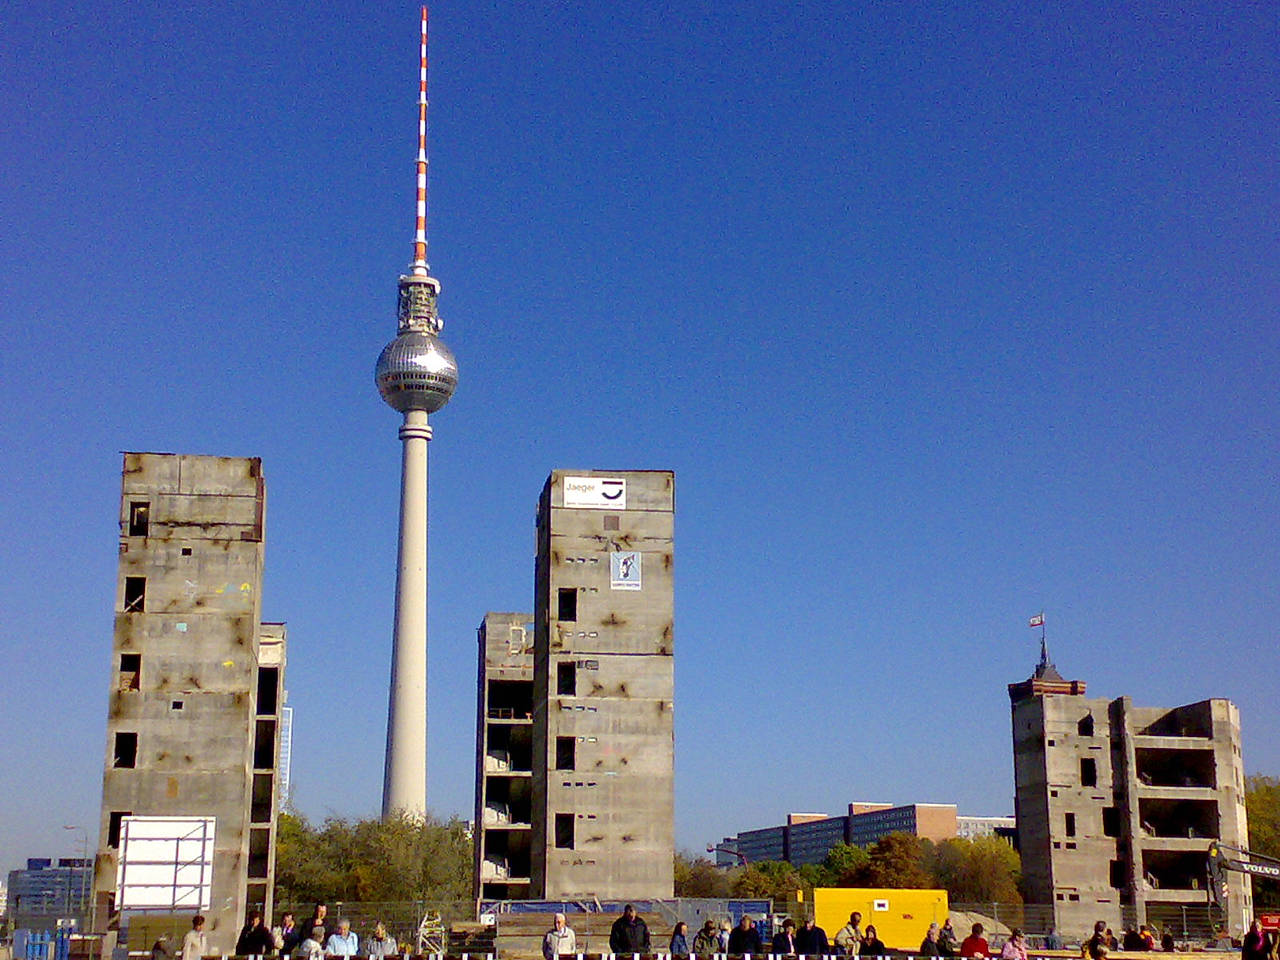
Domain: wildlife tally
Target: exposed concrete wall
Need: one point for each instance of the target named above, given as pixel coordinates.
(504, 735)
(192, 702)
(615, 805)
(1116, 806)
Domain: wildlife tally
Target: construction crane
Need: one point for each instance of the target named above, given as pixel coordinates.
(1224, 859)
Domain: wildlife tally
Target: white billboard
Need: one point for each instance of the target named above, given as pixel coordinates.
(166, 863)
(595, 493)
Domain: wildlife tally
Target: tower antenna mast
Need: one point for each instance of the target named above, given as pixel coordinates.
(420, 268)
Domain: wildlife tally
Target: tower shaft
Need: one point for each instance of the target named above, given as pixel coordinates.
(404, 788)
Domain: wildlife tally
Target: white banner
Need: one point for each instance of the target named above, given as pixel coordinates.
(595, 493)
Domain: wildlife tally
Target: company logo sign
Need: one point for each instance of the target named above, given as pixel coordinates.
(624, 570)
(595, 493)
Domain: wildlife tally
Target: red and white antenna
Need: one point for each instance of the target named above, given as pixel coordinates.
(420, 268)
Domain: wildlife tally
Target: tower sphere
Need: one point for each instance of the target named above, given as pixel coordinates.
(416, 371)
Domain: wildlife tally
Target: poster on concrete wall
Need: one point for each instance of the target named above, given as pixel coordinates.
(166, 863)
(595, 493)
(624, 570)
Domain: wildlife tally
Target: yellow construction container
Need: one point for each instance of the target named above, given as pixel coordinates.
(901, 917)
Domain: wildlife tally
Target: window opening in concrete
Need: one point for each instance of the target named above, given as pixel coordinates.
(567, 679)
(1160, 767)
(1051, 743)
(135, 594)
(176, 705)
(1110, 822)
(139, 518)
(259, 852)
(260, 807)
(113, 826)
(567, 604)
(1071, 824)
(610, 522)
(264, 745)
(186, 551)
(1085, 726)
(268, 690)
(564, 831)
(130, 671)
(1073, 897)
(1088, 772)
(510, 699)
(565, 753)
(126, 751)
(1119, 876)
(1181, 819)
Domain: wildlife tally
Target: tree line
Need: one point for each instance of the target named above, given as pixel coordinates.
(982, 870)
(406, 858)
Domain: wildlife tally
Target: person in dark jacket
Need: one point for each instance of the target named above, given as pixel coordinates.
(931, 946)
(784, 941)
(811, 939)
(1254, 944)
(629, 933)
(745, 937)
(872, 945)
(290, 935)
(255, 939)
(707, 941)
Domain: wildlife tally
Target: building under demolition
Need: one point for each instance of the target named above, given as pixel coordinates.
(189, 793)
(575, 732)
(504, 757)
(1116, 804)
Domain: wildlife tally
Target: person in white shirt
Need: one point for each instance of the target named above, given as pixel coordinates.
(560, 940)
(195, 944)
(342, 943)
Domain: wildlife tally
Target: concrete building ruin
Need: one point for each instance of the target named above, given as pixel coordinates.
(1116, 805)
(504, 757)
(196, 678)
(603, 686)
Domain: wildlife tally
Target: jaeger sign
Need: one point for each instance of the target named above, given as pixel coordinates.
(595, 493)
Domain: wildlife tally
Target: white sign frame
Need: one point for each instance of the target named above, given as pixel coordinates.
(595, 493)
(165, 863)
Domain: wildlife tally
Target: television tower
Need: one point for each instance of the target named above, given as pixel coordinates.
(416, 374)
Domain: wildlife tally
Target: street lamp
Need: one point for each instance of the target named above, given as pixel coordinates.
(84, 870)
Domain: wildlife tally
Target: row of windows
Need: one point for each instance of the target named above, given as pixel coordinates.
(125, 748)
(268, 701)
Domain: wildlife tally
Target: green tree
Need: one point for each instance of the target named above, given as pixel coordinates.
(982, 870)
(843, 863)
(403, 858)
(697, 876)
(775, 879)
(1262, 806)
(898, 862)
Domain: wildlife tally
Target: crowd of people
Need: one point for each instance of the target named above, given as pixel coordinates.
(630, 935)
(319, 937)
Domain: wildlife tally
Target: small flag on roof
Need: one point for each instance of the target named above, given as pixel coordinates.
(1036, 621)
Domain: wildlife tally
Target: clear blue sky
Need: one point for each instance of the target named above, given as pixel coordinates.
(942, 314)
